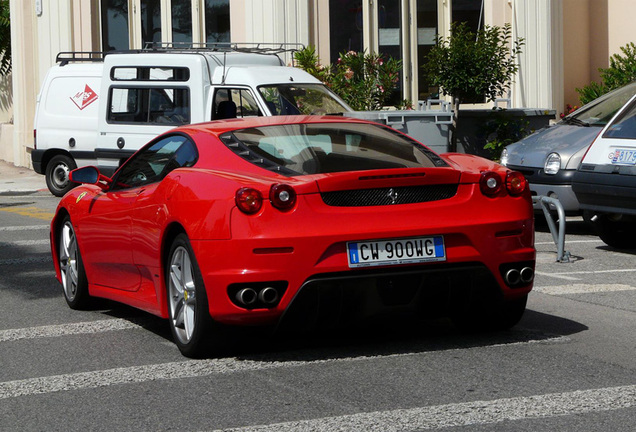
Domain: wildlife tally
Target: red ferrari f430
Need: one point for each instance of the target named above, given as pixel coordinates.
(296, 221)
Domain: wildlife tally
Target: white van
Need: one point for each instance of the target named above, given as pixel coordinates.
(605, 183)
(98, 109)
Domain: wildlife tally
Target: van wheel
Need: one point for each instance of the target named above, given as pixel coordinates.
(57, 171)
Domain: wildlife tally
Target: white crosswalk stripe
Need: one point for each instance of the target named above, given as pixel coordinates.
(465, 414)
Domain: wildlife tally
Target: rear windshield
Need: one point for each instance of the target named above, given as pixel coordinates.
(301, 149)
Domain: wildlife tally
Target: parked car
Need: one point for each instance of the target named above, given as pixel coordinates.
(296, 221)
(605, 183)
(549, 157)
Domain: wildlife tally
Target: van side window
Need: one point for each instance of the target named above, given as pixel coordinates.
(155, 161)
(234, 103)
(164, 106)
(146, 73)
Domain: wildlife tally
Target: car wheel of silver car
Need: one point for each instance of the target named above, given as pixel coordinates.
(187, 299)
(74, 279)
(616, 231)
(57, 174)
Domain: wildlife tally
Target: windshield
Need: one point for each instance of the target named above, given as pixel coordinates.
(601, 110)
(299, 149)
(294, 99)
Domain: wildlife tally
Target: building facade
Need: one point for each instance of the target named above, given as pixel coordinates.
(566, 41)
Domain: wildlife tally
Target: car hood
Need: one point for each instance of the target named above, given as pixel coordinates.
(568, 140)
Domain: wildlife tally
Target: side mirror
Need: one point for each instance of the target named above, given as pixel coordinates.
(90, 175)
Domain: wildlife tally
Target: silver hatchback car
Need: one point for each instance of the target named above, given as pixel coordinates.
(549, 157)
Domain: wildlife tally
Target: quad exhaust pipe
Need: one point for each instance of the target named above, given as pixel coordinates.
(515, 276)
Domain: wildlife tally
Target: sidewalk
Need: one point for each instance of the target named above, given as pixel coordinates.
(20, 180)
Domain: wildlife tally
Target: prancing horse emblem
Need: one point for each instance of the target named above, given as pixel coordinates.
(393, 195)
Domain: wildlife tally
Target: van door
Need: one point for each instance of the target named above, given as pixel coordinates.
(146, 96)
(234, 102)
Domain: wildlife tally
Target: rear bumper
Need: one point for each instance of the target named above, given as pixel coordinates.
(606, 192)
(316, 266)
(36, 160)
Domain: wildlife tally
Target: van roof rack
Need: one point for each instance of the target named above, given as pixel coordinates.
(246, 47)
(65, 57)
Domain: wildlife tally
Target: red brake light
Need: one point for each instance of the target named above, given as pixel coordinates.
(516, 183)
(282, 196)
(249, 200)
(490, 183)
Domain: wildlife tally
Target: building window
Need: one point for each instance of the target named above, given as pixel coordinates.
(115, 34)
(181, 21)
(345, 27)
(427, 30)
(150, 21)
(154, 21)
(468, 11)
(217, 21)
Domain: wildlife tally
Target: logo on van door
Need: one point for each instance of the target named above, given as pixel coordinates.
(84, 98)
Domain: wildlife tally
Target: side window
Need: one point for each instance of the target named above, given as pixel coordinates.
(154, 162)
(234, 103)
(166, 106)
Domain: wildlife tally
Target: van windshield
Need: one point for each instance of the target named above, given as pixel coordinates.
(295, 99)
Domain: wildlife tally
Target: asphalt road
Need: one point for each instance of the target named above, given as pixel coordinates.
(570, 365)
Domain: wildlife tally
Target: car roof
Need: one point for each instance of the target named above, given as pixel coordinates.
(218, 127)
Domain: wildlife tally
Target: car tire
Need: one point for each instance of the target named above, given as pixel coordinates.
(190, 320)
(616, 231)
(57, 174)
(74, 281)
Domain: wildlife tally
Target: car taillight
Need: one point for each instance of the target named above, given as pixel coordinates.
(282, 196)
(490, 183)
(35, 139)
(249, 200)
(516, 183)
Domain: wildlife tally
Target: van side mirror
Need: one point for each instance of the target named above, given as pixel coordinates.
(90, 175)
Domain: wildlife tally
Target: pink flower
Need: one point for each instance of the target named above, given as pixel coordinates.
(348, 74)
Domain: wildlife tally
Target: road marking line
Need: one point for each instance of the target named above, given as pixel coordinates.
(25, 228)
(583, 272)
(466, 413)
(583, 288)
(66, 329)
(20, 261)
(555, 275)
(26, 242)
(33, 212)
(568, 242)
(185, 369)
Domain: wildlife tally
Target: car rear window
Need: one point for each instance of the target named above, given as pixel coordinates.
(317, 148)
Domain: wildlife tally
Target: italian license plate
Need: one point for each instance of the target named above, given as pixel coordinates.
(397, 251)
(624, 157)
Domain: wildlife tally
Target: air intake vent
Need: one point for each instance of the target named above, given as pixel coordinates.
(389, 196)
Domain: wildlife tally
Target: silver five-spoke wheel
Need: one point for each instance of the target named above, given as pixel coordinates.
(182, 293)
(71, 268)
(187, 300)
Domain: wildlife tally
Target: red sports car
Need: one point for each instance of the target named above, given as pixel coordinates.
(296, 221)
